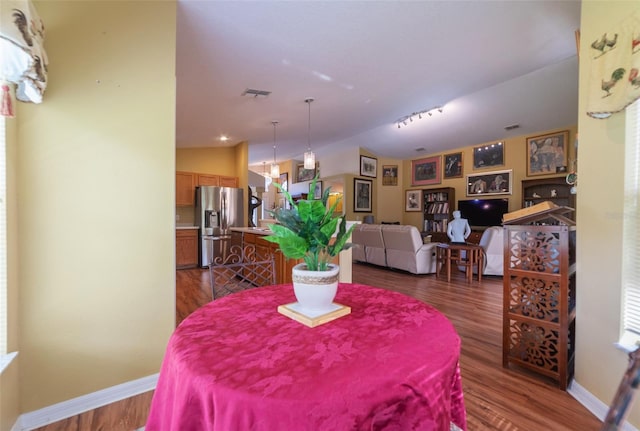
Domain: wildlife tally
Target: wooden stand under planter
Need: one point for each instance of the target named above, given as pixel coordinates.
(292, 311)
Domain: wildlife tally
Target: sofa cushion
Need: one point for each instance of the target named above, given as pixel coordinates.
(406, 251)
(493, 249)
(401, 237)
(493, 246)
(368, 238)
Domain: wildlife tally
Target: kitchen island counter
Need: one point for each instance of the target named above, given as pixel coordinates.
(254, 230)
(255, 236)
(185, 226)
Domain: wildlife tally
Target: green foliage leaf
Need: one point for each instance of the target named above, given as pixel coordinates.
(305, 230)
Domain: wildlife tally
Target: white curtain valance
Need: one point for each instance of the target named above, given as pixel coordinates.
(23, 60)
(614, 82)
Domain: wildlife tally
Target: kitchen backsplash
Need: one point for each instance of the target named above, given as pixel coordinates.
(185, 215)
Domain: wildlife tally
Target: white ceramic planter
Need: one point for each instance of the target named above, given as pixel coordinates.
(315, 290)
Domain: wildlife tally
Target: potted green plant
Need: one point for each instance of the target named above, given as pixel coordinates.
(305, 231)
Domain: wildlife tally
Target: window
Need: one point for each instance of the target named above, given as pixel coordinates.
(631, 227)
(5, 358)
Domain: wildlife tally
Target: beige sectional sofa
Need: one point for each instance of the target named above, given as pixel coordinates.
(393, 246)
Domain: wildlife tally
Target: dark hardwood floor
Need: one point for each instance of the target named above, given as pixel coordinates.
(496, 398)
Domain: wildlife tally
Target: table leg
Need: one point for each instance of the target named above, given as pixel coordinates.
(448, 265)
(480, 264)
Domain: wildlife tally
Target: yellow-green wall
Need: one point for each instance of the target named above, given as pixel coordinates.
(242, 164)
(96, 183)
(218, 160)
(515, 158)
(599, 365)
(387, 201)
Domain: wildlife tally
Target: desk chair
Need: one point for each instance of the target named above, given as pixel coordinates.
(621, 404)
(241, 269)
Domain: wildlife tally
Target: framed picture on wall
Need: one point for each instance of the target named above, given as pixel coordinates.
(547, 154)
(413, 200)
(452, 165)
(303, 174)
(368, 167)
(426, 171)
(283, 180)
(487, 156)
(362, 195)
(390, 175)
(317, 192)
(490, 183)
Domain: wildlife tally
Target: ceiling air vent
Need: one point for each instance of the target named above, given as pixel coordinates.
(255, 93)
(513, 126)
(420, 149)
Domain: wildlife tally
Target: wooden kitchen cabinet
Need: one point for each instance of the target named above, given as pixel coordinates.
(186, 248)
(264, 249)
(208, 180)
(186, 183)
(228, 181)
(185, 189)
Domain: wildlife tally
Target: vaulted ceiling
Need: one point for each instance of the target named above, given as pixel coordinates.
(368, 64)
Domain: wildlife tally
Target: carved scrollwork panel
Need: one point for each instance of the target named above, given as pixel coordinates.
(534, 345)
(534, 251)
(534, 297)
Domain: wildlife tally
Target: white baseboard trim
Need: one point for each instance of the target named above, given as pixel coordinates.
(75, 406)
(593, 404)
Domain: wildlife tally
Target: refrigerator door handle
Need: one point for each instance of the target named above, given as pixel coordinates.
(223, 218)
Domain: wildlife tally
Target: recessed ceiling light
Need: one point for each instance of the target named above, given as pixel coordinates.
(224, 138)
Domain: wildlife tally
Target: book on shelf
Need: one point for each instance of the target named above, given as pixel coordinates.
(435, 197)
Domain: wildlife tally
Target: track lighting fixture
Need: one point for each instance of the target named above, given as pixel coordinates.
(403, 120)
(309, 156)
(275, 168)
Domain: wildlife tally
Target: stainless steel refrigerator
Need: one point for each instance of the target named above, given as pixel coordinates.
(217, 210)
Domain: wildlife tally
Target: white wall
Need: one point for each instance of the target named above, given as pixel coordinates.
(341, 161)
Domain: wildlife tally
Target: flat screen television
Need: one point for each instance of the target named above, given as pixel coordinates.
(483, 212)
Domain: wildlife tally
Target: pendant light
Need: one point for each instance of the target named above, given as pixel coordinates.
(275, 168)
(309, 157)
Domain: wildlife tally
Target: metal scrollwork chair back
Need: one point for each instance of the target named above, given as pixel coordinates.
(242, 268)
(621, 404)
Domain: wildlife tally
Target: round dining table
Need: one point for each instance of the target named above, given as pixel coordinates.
(238, 364)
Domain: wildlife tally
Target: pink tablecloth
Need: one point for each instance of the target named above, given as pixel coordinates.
(237, 364)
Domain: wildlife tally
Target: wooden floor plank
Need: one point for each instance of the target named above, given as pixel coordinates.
(496, 398)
